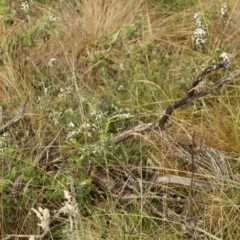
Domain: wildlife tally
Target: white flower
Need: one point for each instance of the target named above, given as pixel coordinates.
(72, 133)
(56, 122)
(25, 6)
(53, 19)
(64, 91)
(126, 115)
(5, 134)
(198, 19)
(225, 56)
(223, 9)
(71, 124)
(51, 61)
(200, 34)
(120, 87)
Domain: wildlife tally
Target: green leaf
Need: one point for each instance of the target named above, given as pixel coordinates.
(115, 37)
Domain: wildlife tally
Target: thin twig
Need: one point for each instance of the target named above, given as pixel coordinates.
(193, 153)
(16, 118)
(216, 85)
(41, 154)
(23, 236)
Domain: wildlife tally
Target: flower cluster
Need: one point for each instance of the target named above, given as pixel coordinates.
(25, 5)
(200, 34)
(53, 18)
(85, 127)
(223, 10)
(225, 57)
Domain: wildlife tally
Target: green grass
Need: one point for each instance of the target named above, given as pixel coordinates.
(100, 69)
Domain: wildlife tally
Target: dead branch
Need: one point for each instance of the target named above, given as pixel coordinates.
(136, 130)
(151, 196)
(217, 84)
(16, 118)
(182, 181)
(29, 236)
(122, 188)
(191, 95)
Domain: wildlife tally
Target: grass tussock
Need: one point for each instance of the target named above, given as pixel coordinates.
(92, 70)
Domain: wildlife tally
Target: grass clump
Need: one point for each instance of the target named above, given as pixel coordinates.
(92, 70)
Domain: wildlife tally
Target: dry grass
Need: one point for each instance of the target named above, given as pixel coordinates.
(153, 60)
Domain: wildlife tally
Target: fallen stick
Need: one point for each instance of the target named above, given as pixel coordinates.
(16, 118)
(190, 95)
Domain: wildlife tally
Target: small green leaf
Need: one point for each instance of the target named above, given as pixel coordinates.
(115, 37)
